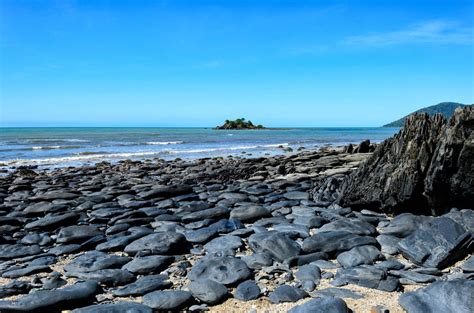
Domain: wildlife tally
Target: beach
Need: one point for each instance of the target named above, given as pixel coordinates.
(333, 228)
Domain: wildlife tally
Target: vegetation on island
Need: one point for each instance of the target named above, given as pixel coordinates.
(239, 123)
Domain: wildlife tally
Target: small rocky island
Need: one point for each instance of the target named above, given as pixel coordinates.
(239, 123)
(388, 229)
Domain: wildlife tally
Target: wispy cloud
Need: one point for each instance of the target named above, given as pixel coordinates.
(433, 32)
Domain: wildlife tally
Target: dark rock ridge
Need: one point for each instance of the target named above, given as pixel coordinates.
(426, 168)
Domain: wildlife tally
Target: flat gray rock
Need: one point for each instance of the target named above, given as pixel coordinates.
(118, 243)
(249, 213)
(414, 276)
(148, 264)
(201, 235)
(157, 243)
(359, 255)
(258, 260)
(308, 272)
(296, 195)
(17, 251)
(143, 286)
(65, 298)
(350, 225)
(338, 292)
(92, 261)
(247, 290)
(208, 291)
(439, 244)
(366, 276)
(212, 213)
(278, 245)
(286, 293)
(335, 242)
(27, 271)
(225, 270)
(14, 287)
(77, 233)
(321, 305)
(168, 299)
(109, 277)
(52, 222)
(224, 243)
(120, 307)
(454, 296)
(404, 225)
(388, 244)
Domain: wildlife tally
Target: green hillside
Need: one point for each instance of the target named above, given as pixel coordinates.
(445, 108)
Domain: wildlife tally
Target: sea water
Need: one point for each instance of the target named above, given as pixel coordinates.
(59, 147)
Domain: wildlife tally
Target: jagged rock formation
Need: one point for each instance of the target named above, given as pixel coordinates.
(426, 168)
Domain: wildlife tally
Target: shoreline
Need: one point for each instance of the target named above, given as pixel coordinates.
(72, 147)
(92, 158)
(231, 220)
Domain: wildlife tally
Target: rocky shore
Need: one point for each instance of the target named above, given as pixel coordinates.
(269, 234)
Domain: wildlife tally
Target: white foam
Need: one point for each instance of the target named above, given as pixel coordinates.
(164, 142)
(39, 140)
(124, 155)
(77, 158)
(45, 147)
(285, 144)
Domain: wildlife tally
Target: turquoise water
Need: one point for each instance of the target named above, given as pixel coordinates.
(55, 147)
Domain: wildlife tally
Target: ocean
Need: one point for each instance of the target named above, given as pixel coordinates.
(60, 147)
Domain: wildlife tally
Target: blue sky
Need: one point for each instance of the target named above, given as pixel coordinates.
(197, 63)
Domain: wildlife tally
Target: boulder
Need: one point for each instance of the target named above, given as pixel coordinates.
(249, 213)
(286, 293)
(321, 305)
(148, 264)
(359, 255)
(93, 261)
(208, 291)
(143, 286)
(77, 233)
(16, 251)
(425, 168)
(120, 307)
(247, 290)
(223, 243)
(335, 242)
(225, 270)
(366, 276)
(454, 296)
(157, 243)
(278, 245)
(167, 300)
(438, 244)
(53, 300)
(109, 277)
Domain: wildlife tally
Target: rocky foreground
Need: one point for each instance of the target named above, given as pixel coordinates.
(221, 234)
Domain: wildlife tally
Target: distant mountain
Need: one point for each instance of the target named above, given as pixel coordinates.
(445, 108)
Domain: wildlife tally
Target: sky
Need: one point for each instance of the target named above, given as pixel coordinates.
(197, 63)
